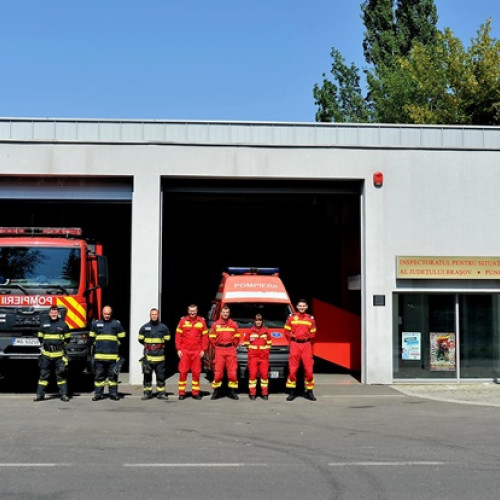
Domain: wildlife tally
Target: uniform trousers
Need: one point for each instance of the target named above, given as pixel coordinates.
(190, 362)
(159, 370)
(225, 359)
(300, 352)
(104, 369)
(59, 367)
(258, 366)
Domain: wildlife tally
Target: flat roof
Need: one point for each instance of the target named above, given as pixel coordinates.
(256, 134)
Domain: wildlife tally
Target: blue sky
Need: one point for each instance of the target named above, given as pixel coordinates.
(185, 60)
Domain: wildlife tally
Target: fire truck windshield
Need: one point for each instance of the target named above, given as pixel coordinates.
(274, 315)
(54, 270)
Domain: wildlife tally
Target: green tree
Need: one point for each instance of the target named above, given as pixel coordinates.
(390, 34)
(391, 29)
(380, 44)
(452, 84)
(342, 101)
(416, 21)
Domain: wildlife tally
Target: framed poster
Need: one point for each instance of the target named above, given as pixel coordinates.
(443, 352)
(410, 346)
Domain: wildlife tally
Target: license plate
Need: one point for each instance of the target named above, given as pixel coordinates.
(25, 341)
(274, 374)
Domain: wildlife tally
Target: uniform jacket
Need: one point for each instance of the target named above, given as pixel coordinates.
(53, 335)
(224, 332)
(153, 336)
(300, 327)
(191, 334)
(106, 337)
(258, 339)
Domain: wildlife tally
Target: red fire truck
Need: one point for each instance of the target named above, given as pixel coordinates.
(249, 291)
(42, 267)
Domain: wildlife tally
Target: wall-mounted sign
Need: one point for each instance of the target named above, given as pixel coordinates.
(442, 350)
(448, 268)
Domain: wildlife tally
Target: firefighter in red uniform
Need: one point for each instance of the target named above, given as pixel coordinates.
(191, 342)
(225, 336)
(300, 329)
(258, 342)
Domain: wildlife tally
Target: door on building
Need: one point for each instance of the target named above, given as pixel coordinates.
(310, 230)
(446, 336)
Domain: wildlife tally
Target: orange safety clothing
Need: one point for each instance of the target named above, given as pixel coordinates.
(258, 342)
(300, 329)
(191, 338)
(225, 336)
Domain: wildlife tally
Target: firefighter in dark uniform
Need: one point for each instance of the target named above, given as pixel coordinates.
(153, 336)
(106, 335)
(300, 329)
(54, 335)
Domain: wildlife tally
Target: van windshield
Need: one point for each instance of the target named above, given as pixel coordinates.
(274, 315)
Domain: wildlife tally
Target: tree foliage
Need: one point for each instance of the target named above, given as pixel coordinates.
(455, 85)
(342, 101)
(416, 73)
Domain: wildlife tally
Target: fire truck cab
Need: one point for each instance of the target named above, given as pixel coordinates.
(249, 291)
(44, 267)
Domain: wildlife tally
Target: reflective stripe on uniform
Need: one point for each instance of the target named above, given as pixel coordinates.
(106, 357)
(155, 359)
(53, 355)
(106, 337)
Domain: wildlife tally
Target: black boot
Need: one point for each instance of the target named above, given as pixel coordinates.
(232, 394)
(215, 394)
(310, 395)
(39, 397)
(291, 396)
(65, 398)
(147, 395)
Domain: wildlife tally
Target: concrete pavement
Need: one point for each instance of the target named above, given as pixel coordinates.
(333, 385)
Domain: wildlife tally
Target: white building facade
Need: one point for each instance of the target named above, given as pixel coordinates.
(430, 300)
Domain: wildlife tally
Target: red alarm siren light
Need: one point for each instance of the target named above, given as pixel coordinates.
(378, 179)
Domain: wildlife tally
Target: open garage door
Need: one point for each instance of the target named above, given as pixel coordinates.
(100, 206)
(310, 230)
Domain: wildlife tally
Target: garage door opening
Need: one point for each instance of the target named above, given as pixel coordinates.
(102, 209)
(309, 230)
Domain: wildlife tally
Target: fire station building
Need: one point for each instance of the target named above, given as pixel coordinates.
(390, 231)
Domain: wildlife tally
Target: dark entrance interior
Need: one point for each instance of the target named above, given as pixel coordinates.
(310, 230)
(99, 210)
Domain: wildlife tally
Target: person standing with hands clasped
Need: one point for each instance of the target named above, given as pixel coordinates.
(300, 329)
(225, 336)
(106, 335)
(153, 336)
(191, 342)
(258, 342)
(53, 334)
